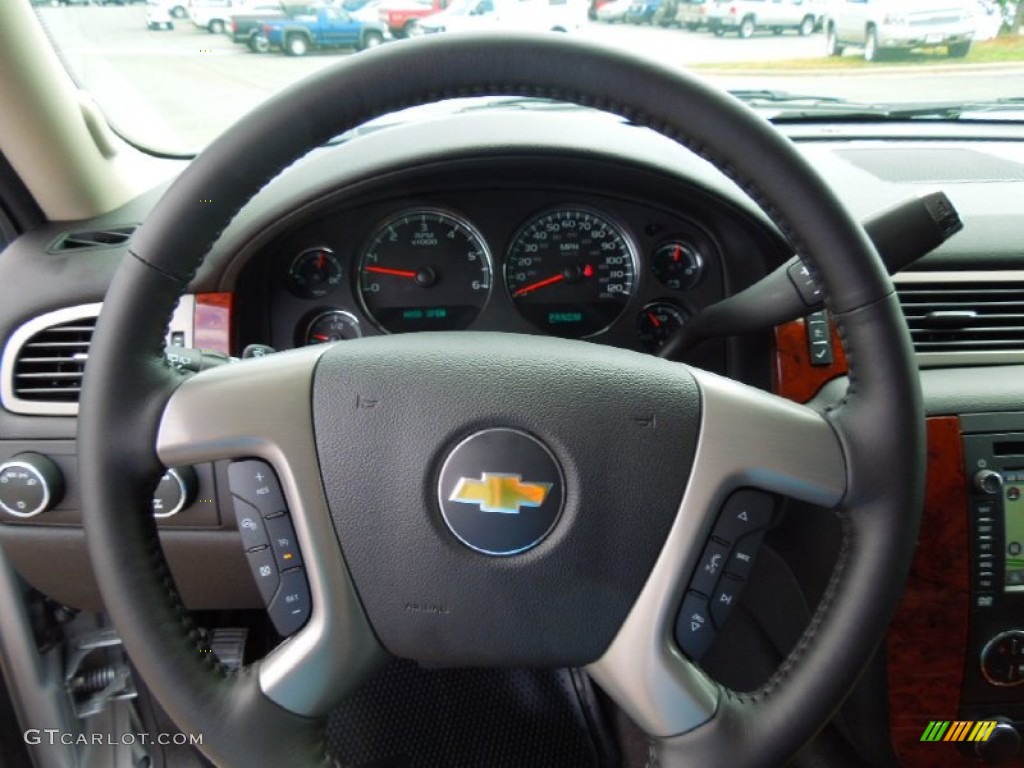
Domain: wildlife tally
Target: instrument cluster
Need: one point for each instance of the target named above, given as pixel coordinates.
(607, 270)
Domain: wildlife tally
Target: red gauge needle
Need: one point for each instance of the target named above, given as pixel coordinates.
(539, 284)
(677, 253)
(409, 273)
(654, 320)
(320, 261)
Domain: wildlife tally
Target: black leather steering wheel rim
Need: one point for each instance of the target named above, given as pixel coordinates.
(128, 383)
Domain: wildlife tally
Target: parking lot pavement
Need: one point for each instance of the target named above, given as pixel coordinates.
(125, 67)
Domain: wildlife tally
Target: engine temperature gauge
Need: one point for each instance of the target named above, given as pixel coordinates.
(657, 322)
(334, 325)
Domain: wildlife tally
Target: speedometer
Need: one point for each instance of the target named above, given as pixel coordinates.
(571, 271)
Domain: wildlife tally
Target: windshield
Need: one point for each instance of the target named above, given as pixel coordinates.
(170, 75)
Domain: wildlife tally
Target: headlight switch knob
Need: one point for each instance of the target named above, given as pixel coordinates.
(30, 484)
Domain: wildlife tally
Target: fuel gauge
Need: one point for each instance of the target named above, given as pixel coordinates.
(657, 322)
(334, 325)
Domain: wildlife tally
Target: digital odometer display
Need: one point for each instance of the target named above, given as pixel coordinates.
(1013, 516)
(424, 270)
(571, 271)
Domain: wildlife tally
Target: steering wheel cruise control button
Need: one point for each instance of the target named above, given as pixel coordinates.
(250, 525)
(745, 511)
(264, 571)
(694, 630)
(255, 482)
(291, 606)
(283, 543)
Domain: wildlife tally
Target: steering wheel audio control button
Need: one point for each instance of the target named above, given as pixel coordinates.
(291, 606)
(694, 630)
(255, 482)
(745, 511)
(251, 525)
(283, 543)
(264, 571)
(724, 598)
(743, 554)
(710, 567)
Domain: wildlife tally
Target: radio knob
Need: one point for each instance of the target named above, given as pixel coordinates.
(30, 484)
(1002, 658)
(988, 481)
(1003, 744)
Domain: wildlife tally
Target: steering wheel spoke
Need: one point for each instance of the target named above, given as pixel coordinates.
(261, 409)
(748, 439)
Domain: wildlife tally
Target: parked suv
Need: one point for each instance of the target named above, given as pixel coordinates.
(744, 17)
(215, 15)
(879, 26)
(692, 14)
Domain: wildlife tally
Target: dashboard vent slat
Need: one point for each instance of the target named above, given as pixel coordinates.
(50, 364)
(964, 316)
(98, 238)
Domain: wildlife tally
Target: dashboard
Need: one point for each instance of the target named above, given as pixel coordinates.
(570, 247)
(505, 221)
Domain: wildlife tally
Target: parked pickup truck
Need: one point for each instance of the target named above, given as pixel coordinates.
(744, 17)
(881, 26)
(325, 28)
(247, 28)
(401, 16)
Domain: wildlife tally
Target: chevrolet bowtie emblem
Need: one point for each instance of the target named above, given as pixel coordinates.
(499, 492)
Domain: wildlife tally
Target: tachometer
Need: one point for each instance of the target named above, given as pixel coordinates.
(571, 271)
(424, 270)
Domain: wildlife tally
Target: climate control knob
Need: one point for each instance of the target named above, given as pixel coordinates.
(30, 484)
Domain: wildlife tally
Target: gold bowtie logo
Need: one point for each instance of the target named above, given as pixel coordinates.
(499, 492)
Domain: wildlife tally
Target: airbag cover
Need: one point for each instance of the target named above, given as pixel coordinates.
(622, 428)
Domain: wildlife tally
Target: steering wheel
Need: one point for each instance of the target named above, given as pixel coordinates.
(364, 435)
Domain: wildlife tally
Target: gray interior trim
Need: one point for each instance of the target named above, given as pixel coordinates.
(748, 438)
(237, 411)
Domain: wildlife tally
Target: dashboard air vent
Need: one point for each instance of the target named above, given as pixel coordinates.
(959, 317)
(43, 362)
(99, 238)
